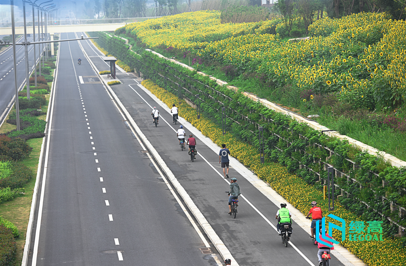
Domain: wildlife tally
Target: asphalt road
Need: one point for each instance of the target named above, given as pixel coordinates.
(105, 203)
(7, 88)
(250, 238)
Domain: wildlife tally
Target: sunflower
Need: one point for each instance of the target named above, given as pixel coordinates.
(381, 54)
(328, 82)
(344, 60)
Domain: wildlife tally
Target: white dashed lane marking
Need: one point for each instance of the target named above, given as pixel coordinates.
(101, 179)
(97, 161)
(104, 190)
(107, 203)
(98, 169)
(120, 255)
(116, 242)
(110, 217)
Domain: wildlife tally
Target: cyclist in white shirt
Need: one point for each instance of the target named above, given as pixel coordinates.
(155, 114)
(181, 133)
(174, 112)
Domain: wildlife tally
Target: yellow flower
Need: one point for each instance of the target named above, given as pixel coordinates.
(362, 96)
(344, 60)
(304, 100)
(311, 97)
(328, 82)
(381, 54)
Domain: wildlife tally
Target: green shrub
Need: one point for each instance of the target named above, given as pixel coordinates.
(41, 91)
(19, 176)
(16, 149)
(34, 102)
(104, 72)
(48, 78)
(7, 194)
(46, 70)
(5, 169)
(8, 247)
(39, 87)
(10, 226)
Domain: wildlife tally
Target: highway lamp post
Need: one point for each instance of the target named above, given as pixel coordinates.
(26, 55)
(40, 32)
(198, 105)
(223, 120)
(33, 34)
(46, 12)
(15, 66)
(330, 188)
(261, 142)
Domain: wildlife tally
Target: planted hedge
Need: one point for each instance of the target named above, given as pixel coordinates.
(10, 226)
(15, 149)
(8, 247)
(375, 188)
(293, 188)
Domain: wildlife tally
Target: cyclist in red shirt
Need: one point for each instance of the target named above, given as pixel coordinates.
(317, 214)
(191, 141)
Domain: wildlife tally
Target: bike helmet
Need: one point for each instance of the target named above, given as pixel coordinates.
(181, 126)
(154, 107)
(173, 105)
(283, 205)
(314, 203)
(234, 179)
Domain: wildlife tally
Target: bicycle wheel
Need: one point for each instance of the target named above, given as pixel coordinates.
(286, 241)
(182, 146)
(234, 210)
(192, 157)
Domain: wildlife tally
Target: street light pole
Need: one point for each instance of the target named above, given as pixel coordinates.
(15, 66)
(261, 143)
(26, 56)
(39, 46)
(35, 53)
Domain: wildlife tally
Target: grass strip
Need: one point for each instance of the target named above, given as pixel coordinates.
(294, 189)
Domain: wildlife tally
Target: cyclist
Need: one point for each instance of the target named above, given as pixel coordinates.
(234, 192)
(181, 134)
(79, 61)
(174, 112)
(283, 216)
(155, 115)
(322, 248)
(317, 214)
(223, 159)
(191, 141)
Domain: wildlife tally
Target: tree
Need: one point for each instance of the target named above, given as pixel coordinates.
(97, 7)
(254, 2)
(306, 9)
(173, 6)
(286, 8)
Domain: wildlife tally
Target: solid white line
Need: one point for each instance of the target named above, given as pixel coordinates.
(107, 202)
(104, 190)
(97, 161)
(120, 255)
(44, 178)
(101, 179)
(221, 175)
(110, 217)
(116, 242)
(81, 80)
(98, 169)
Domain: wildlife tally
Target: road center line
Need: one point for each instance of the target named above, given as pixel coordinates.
(104, 190)
(120, 255)
(110, 217)
(107, 202)
(101, 179)
(116, 242)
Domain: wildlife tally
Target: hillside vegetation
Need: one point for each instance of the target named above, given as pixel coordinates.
(350, 72)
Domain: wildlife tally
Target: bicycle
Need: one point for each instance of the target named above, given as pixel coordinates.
(193, 153)
(175, 118)
(234, 205)
(314, 241)
(286, 231)
(325, 257)
(182, 144)
(79, 62)
(156, 121)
